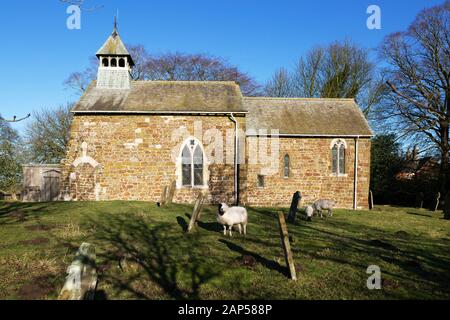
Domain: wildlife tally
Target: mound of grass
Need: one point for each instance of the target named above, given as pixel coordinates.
(143, 252)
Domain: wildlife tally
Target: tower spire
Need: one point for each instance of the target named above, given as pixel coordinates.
(115, 33)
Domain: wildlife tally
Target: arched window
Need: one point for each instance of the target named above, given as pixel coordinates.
(286, 166)
(122, 62)
(338, 156)
(192, 164)
(113, 62)
(105, 62)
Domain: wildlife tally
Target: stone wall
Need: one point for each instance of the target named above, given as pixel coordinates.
(129, 157)
(117, 157)
(310, 173)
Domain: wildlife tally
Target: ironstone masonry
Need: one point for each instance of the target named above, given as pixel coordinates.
(130, 139)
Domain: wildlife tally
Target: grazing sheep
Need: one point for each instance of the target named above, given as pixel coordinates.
(230, 216)
(324, 204)
(309, 211)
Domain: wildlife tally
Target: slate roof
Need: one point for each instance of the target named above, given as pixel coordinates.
(164, 96)
(114, 46)
(307, 117)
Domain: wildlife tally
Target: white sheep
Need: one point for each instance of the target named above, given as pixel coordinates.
(230, 216)
(324, 204)
(309, 211)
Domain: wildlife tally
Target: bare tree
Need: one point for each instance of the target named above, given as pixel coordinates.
(48, 134)
(14, 119)
(339, 70)
(172, 67)
(81, 4)
(10, 168)
(419, 78)
(280, 85)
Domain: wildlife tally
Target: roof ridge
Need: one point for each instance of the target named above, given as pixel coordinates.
(186, 81)
(299, 98)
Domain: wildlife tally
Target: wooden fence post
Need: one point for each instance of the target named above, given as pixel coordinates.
(296, 198)
(81, 281)
(286, 246)
(196, 212)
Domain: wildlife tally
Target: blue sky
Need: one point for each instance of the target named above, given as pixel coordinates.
(38, 52)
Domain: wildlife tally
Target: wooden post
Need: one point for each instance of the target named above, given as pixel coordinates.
(81, 281)
(171, 192)
(286, 246)
(196, 212)
(438, 198)
(296, 198)
(370, 199)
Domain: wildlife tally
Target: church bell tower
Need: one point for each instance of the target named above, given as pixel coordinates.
(115, 63)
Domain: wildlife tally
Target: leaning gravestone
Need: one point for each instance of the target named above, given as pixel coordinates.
(296, 198)
(438, 198)
(286, 246)
(81, 281)
(163, 200)
(171, 192)
(196, 212)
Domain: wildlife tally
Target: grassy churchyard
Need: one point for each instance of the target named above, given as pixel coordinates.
(143, 252)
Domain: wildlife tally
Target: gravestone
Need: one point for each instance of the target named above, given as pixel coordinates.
(370, 199)
(286, 246)
(171, 192)
(81, 281)
(447, 206)
(419, 200)
(163, 200)
(438, 198)
(296, 198)
(196, 212)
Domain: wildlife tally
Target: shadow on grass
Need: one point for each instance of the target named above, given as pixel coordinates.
(269, 264)
(168, 258)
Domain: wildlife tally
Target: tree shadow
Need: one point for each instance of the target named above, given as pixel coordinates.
(182, 223)
(168, 258)
(419, 214)
(270, 264)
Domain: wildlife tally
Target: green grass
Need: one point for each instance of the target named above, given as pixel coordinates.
(160, 261)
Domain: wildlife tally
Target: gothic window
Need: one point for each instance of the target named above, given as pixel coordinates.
(338, 157)
(113, 62)
(192, 164)
(261, 181)
(105, 62)
(286, 166)
(122, 62)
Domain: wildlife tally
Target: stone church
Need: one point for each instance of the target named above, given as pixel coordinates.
(131, 139)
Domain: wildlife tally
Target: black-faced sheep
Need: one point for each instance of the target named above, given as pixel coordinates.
(230, 216)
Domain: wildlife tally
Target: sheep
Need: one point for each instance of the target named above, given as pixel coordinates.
(324, 204)
(309, 211)
(230, 216)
